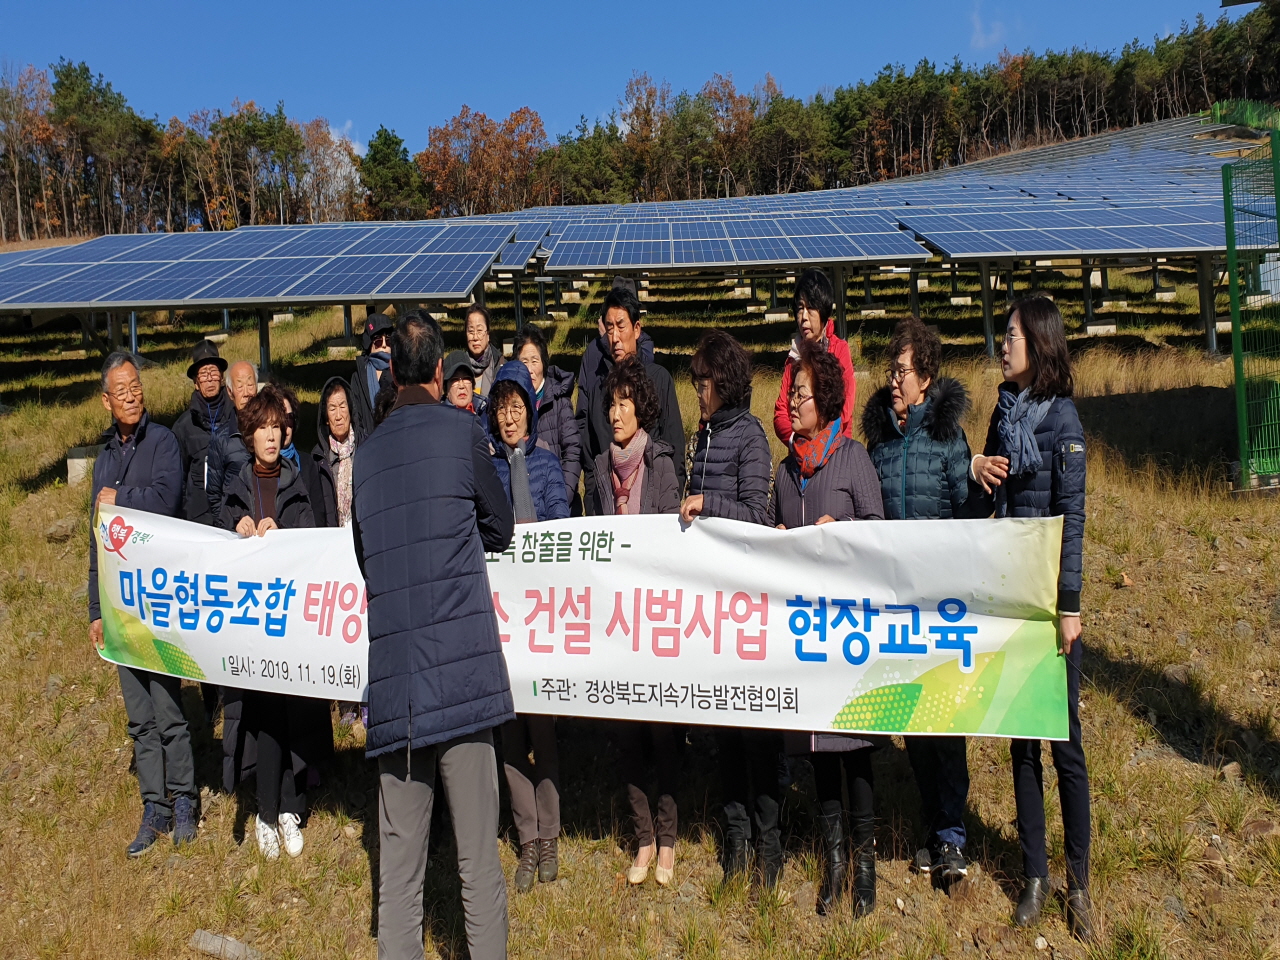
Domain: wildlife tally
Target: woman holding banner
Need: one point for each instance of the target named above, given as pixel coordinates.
(914, 437)
(534, 484)
(829, 477)
(637, 475)
(269, 494)
(729, 477)
(1033, 465)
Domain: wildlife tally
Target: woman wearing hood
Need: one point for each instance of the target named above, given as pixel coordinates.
(484, 356)
(812, 304)
(553, 396)
(917, 445)
(334, 452)
(268, 494)
(532, 477)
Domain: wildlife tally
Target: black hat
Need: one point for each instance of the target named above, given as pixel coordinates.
(624, 283)
(374, 324)
(457, 361)
(206, 351)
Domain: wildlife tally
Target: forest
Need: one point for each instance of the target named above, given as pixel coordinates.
(76, 159)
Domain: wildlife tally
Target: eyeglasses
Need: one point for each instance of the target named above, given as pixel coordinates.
(701, 383)
(1011, 338)
(381, 340)
(898, 374)
(125, 394)
(798, 398)
(209, 372)
(511, 411)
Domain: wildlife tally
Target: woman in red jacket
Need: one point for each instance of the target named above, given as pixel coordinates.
(812, 304)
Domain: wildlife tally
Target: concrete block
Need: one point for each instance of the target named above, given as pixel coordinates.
(344, 353)
(74, 355)
(1166, 296)
(922, 284)
(757, 307)
(491, 286)
(80, 463)
(279, 318)
(558, 314)
(581, 285)
(873, 312)
(1115, 304)
(1223, 325)
(739, 293)
(1095, 279)
(777, 316)
(642, 293)
(1099, 327)
(1253, 301)
(962, 301)
(218, 337)
(1044, 263)
(570, 296)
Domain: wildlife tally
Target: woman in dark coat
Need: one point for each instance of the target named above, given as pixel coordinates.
(333, 454)
(268, 494)
(826, 478)
(484, 356)
(914, 437)
(557, 426)
(1033, 465)
(729, 477)
(534, 484)
(636, 475)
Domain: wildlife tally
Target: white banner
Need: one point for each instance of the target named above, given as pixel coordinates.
(943, 627)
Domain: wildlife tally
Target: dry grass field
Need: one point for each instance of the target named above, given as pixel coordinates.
(1178, 706)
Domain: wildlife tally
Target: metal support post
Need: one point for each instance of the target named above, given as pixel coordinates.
(556, 290)
(1008, 286)
(753, 289)
(264, 344)
(913, 293)
(133, 332)
(478, 292)
(1106, 282)
(519, 300)
(346, 323)
(85, 327)
(1237, 342)
(226, 318)
(955, 280)
(773, 293)
(1208, 309)
(1086, 279)
(842, 321)
(542, 299)
(988, 319)
(866, 287)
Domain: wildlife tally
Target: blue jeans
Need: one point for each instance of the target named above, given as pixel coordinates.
(941, 767)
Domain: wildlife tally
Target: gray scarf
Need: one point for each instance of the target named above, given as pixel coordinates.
(1016, 429)
(521, 497)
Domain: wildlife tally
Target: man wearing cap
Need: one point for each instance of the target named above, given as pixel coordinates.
(460, 384)
(370, 369)
(209, 414)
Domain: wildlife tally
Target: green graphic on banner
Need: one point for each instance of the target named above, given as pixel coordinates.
(129, 641)
(1022, 693)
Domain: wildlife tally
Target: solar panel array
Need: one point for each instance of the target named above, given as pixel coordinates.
(1150, 190)
(258, 265)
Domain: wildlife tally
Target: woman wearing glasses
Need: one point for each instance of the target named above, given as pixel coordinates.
(913, 433)
(729, 477)
(829, 477)
(1033, 465)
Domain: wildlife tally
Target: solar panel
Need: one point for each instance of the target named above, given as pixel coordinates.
(437, 275)
(348, 276)
(173, 282)
(517, 255)
(641, 253)
(701, 252)
(402, 240)
(265, 279)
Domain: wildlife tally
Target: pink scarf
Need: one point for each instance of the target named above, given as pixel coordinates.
(627, 473)
(342, 462)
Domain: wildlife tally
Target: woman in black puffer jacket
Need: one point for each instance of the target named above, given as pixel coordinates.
(1033, 465)
(913, 433)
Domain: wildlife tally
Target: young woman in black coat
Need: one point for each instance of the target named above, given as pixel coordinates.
(829, 478)
(1033, 465)
(268, 494)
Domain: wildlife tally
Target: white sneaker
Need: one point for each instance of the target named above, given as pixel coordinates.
(291, 833)
(268, 839)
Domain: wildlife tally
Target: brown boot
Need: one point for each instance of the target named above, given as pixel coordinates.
(527, 868)
(548, 860)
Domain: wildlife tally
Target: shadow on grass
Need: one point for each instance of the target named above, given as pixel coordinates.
(1181, 429)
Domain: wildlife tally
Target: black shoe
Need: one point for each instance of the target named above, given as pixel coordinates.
(771, 867)
(154, 825)
(1080, 914)
(831, 822)
(548, 860)
(949, 865)
(1031, 901)
(923, 861)
(184, 820)
(864, 879)
(735, 858)
(527, 868)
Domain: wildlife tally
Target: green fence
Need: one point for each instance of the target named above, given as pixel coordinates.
(1253, 267)
(1249, 113)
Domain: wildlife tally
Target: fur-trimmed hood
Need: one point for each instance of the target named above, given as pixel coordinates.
(946, 402)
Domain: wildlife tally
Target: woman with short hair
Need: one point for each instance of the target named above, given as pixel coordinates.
(268, 494)
(553, 395)
(812, 304)
(915, 440)
(334, 453)
(636, 475)
(827, 478)
(1033, 465)
(484, 356)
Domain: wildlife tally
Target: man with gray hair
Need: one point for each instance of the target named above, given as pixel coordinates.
(140, 468)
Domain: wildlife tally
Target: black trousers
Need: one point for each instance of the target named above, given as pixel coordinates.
(749, 782)
(853, 767)
(1073, 790)
(267, 717)
(941, 768)
(631, 738)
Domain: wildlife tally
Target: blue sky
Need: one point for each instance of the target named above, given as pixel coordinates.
(412, 65)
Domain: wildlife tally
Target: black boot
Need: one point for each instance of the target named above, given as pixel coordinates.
(548, 860)
(1080, 914)
(864, 866)
(1031, 901)
(769, 843)
(736, 856)
(527, 868)
(831, 822)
